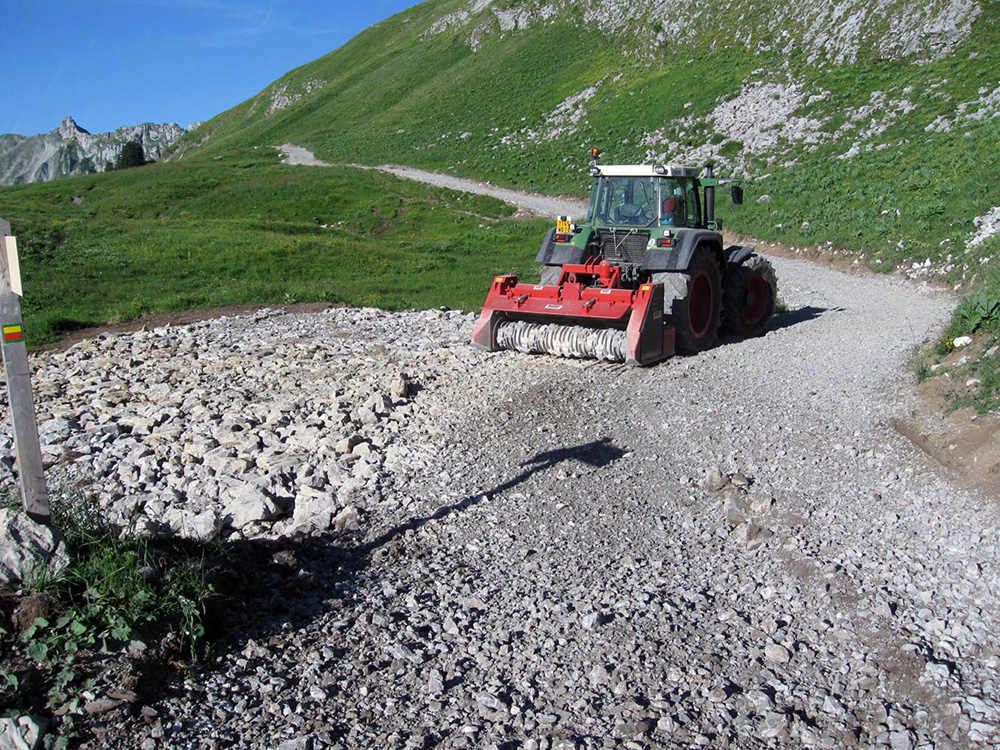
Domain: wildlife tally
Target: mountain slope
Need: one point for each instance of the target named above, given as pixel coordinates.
(71, 150)
(867, 124)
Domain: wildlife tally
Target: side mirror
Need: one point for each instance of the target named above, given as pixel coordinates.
(737, 195)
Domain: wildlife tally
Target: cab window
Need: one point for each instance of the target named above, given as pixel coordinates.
(692, 216)
(630, 201)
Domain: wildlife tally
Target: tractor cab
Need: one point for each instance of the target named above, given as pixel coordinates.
(644, 196)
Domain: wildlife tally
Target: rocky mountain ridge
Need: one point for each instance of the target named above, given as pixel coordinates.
(826, 32)
(70, 150)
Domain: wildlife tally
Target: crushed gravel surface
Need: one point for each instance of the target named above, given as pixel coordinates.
(510, 551)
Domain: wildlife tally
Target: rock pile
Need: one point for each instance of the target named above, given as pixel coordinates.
(258, 425)
(28, 550)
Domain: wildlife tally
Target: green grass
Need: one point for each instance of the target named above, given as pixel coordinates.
(977, 315)
(118, 586)
(984, 397)
(396, 94)
(973, 379)
(245, 229)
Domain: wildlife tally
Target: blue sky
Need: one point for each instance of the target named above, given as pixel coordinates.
(109, 63)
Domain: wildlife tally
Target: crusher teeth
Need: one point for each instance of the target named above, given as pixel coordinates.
(564, 341)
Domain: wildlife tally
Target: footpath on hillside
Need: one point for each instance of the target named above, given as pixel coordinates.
(541, 205)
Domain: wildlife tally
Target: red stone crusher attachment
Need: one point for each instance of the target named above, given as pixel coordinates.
(585, 314)
(645, 272)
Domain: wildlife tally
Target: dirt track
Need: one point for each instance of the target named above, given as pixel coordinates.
(542, 205)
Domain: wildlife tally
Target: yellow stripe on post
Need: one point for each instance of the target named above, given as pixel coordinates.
(13, 332)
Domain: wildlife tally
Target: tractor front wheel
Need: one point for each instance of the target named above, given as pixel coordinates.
(750, 291)
(694, 301)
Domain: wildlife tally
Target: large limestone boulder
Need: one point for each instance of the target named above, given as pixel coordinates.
(28, 550)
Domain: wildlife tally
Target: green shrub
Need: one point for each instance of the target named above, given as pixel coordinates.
(731, 148)
(980, 311)
(118, 585)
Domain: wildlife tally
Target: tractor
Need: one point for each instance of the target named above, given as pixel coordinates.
(644, 275)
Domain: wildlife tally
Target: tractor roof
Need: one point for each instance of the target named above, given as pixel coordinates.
(643, 170)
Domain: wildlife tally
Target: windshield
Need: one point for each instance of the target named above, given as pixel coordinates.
(644, 202)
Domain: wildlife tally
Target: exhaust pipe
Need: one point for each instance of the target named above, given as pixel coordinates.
(709, 194)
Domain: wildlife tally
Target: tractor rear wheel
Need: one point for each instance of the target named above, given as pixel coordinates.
(749, 291)
(693, 300)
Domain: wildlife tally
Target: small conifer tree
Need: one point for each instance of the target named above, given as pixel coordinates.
(131, 155)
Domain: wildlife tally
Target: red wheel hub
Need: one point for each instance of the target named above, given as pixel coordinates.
(701, 303)
(756, 298)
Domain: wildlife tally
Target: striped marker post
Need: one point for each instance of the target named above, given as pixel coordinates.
(15, 367)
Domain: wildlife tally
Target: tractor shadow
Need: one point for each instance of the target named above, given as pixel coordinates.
(271, 588)
(800, 315)
(782, 320)
(596, 454)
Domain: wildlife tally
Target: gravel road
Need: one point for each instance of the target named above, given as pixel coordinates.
(542, 205)
(474, 550)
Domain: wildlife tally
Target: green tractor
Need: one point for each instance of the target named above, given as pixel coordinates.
(646, 272)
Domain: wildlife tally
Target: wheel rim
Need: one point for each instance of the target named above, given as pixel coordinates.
(756, 299)
(700, 303)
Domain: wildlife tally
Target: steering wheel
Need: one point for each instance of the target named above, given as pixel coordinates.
(632, 213)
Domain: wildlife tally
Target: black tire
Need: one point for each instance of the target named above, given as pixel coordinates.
(550, 275)
(749, 294)
(693, 301)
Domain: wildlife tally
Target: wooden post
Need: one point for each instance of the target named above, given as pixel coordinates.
(15, 366)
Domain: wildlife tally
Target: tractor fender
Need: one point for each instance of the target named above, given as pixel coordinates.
(736, 254)
(545, 251)
(678, 257)
(557, 253)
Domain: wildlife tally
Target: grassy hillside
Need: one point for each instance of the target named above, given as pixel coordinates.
(871, 146)
(245, 229)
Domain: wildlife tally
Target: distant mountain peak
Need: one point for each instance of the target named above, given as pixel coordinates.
(68, 129)
(70, 150)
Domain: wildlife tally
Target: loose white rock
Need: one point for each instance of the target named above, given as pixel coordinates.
(28, 550)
